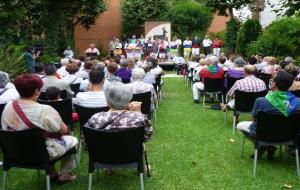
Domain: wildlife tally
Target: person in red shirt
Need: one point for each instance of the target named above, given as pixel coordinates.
(217, 45)
(213, 71)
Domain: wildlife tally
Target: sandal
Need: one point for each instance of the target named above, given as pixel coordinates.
(67, 177)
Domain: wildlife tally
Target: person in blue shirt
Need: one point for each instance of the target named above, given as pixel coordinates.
(277, 101)
(29, 60)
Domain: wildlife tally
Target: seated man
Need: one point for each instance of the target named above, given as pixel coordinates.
(53, 93)
(52, 80)
(213, 71)
(7, 90)
(179, 61)
(249, 84)
(138, 86)
(94, 97)
(277, 101)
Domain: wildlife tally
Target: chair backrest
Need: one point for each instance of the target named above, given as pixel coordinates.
(276, 127)
(114, 147)
(24, 148)
(266, 78)
(296, 93)
(86, 113)
(145, 98)
(158, 80)
(75, 88)
(213, 85)
(231, 81)
(63, 107)
(63, 95)
(244, 101)
(2, 106)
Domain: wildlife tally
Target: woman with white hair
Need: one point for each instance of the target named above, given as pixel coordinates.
(123, 113)
(7, 90)
(138, 86)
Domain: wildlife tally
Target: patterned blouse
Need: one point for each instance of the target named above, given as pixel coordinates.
(120, 120)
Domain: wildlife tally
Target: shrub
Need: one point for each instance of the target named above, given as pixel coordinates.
(12, 60)
(190, 18)
(249, 32)
(232, 30)
(281, 38)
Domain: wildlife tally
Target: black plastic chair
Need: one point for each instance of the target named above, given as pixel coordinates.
(27, 149)
(230, 82)
(75, 88)
(213, 86)
(244, 102)
(158, 88)
(85, 114)
(63, 95)
(64, 108)
(266, 78)
(2, 106)
(122, 149)
(145, 98)
(275, 129)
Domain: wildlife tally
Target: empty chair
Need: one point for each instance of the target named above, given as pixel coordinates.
(244, 102)
(213, 86)
(85, 114)
(27, 149)
(145, 98)
(63, 107)
(275, 129)
(123, 149)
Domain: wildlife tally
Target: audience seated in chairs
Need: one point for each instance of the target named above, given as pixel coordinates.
(110, 76)
(94, 97)
(53, 93)
(293, 70)
(278, 101)
(235, 73)
(249, 84)
(123, 72)
(7, 90)
(197, 70)
(44, 117)
(138, 86)
(39, 70)
(85, 69)
(271, 67)
(213, 71)
(72, 78)
(52, 80)
(149, 77)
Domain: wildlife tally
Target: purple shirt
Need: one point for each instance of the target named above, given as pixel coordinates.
(124, 74)
(233, 73)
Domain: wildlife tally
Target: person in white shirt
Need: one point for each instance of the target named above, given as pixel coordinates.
(173, 47)
(92, 51)
(72, 78)
(68, 53)
(271, 67)
(197, 70)
(7, 90)
(95, 96)
(179, 61)
(187, 48)
(156, 69)
(62, 70)
(206, 43)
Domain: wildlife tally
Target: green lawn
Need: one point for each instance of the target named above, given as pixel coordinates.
(190, 150)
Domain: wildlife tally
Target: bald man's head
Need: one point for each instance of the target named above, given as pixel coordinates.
(250, 69)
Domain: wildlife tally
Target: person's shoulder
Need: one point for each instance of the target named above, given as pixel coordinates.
(261, 101)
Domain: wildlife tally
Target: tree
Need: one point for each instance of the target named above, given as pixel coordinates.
(136, 12)
(249, 32)
(288, 7)
(232, 29)
(256, 7)
(190, 18)
(225, 7)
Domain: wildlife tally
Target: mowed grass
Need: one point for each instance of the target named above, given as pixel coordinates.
(189, 150)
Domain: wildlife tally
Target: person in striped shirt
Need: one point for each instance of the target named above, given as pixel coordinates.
(249, 84)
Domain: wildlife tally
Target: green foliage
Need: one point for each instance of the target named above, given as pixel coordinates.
(12, 59)
(190, 18)
(52, 22)
(223, 7)
(49, 59)
(281, 38)
(288, 7)
(136, 12)
(231, 33)
(249, 32)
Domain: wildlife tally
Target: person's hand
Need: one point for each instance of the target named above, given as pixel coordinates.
(135, 106)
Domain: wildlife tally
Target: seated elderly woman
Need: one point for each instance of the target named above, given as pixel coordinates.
(123, 72)
(72, 78)
(41, 116)
(236, 72)
(138, 86)
(110, 76)
(7, 90)
(94, 97)
(122, 115)
(149, 77)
